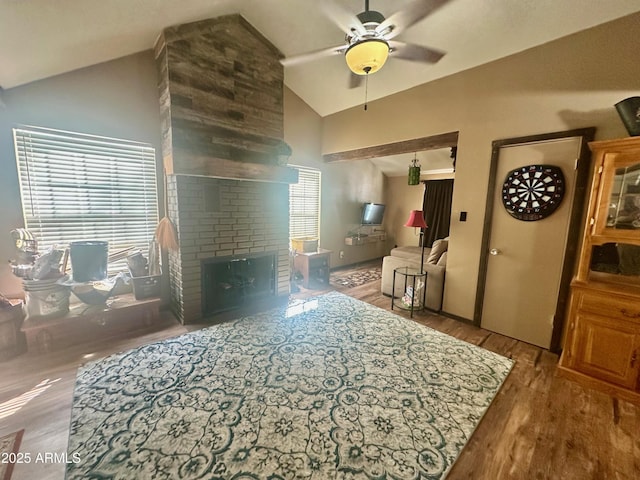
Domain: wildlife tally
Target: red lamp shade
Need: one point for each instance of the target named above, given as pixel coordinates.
(416, 219)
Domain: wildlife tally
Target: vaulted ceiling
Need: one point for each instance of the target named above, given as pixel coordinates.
(42, 38)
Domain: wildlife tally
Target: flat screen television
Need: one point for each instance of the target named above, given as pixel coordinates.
(372, 214)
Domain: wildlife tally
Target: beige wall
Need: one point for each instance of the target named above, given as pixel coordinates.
(569, 83)
(401, 198)
(345, 185)
(117, 99)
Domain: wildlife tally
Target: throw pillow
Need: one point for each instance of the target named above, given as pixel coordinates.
(438, 248)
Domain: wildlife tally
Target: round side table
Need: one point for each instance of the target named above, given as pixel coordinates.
(412, 278)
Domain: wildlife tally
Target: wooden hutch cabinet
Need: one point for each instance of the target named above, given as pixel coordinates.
(602, 344)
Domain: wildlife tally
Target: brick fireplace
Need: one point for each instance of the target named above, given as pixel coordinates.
(230, 282)
(223, 219)
(221, 89)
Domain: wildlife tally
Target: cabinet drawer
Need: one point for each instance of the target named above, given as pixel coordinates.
(610, 306)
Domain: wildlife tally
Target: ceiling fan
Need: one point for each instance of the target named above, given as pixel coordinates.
(369, 38)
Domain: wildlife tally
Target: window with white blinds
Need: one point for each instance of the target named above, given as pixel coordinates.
(304, 204)
(84, 187)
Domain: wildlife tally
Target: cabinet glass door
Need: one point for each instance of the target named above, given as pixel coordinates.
(618, 215)
(624, 201)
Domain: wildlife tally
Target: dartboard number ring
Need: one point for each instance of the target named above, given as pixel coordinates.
(533, 192)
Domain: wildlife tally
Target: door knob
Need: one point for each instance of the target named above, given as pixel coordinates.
(495, 251)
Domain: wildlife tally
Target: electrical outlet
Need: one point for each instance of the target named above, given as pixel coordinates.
(341, 253)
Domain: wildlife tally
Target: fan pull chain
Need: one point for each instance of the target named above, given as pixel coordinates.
(366, 86)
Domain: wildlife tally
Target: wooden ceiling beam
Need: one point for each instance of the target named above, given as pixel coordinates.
(444, 140)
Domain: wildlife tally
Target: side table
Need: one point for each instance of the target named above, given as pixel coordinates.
(313, 266)
(412, 278)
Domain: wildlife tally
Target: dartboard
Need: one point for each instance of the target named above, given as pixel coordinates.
(533, 192)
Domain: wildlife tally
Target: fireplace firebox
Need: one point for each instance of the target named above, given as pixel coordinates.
(235, 281)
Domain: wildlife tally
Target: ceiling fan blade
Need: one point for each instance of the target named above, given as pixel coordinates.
(355, 80)
(315, 55)
(415, 53)
(343, 18)
(412, 14)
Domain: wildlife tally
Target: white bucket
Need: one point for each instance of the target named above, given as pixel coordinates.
(45, 299)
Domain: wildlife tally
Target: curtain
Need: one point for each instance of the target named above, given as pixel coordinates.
(436, 206)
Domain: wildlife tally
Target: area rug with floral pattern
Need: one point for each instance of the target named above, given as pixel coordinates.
(327, 388)
(355, 279)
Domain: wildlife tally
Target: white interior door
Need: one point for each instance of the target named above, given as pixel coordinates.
(526, 257)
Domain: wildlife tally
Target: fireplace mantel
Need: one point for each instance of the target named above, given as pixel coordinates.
(206, 166)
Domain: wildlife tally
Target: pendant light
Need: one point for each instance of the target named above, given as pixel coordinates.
(453, 156)
(414, 171)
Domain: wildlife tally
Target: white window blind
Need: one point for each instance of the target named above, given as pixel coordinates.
(84, 187)
(304, 204)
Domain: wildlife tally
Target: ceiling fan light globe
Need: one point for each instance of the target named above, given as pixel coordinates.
(367, 56)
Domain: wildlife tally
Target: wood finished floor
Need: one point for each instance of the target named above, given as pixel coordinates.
(540, 426)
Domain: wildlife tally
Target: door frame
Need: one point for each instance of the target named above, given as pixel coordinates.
(575, 222)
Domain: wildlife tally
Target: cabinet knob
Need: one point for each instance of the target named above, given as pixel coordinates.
(634, 357)
(494, 251)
